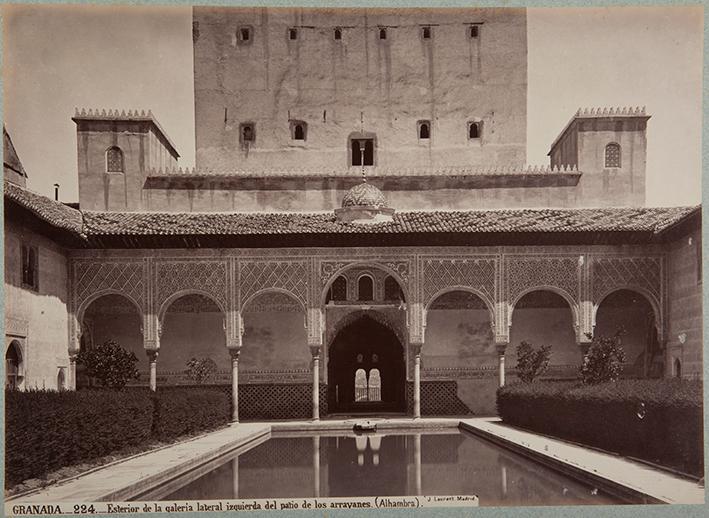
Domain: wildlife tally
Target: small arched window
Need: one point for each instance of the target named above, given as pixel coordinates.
(338, 33)
(382, 33)
(360, 383)
(474, 130)
(426, 33)
(612, 155)
(678, 368)
(365, 288)
(30, 265)
(298, 130)
(374, 387)
(392, 290)
(114, 160)
(424, 130)
(338, 290)
(13, 366)
(61, 379)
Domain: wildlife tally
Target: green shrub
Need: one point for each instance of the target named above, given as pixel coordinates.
(200, 370)
(532, 362)
(187, 410)
(656, 420)
(47, 430)
(604, 359)
(110, 364)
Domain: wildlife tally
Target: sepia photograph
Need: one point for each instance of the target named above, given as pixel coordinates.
(289, 258)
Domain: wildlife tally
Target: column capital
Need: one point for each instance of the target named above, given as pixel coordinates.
(234, 352)
(72, 356)
(233, 343)
(501, 348)
(152, 354)
(315, 351)
(415, 347)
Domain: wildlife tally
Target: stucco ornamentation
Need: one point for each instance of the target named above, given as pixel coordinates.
(526, 272)
(475, 272)
(290, 276)
(191, 276)
(92, 277)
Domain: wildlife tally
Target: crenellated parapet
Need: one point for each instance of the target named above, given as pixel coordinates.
(612, 111)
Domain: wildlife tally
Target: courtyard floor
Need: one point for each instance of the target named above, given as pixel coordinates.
(126, 479)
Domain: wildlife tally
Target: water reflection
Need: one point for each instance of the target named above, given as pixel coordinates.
(385, 465)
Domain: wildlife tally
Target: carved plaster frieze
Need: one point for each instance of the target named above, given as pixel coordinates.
(198, 276)
(289, 276)
(92, 277)
(527, 272)
(475, 272)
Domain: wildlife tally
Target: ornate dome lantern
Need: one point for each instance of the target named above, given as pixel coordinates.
(364, 203)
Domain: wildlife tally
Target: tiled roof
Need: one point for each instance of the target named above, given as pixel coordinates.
(652, 220)
(53, 212)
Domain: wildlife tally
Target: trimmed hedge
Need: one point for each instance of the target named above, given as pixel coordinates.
(48, 430)
(186, 410)
(656, 420)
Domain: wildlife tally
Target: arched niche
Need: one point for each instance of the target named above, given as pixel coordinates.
(116, 317)
(274, 334)
(192, 326)
(544, 317)
(458, 331)
(14, 366)
(631, 311)
(383, 278)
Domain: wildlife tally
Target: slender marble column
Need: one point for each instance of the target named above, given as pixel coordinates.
(417, 381)
(72, 371)
(315, 351)
(501, 363)
(153, 359)
(234, 353)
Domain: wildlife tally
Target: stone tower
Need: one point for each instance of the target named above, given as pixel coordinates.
(115, 151)
(609, 146)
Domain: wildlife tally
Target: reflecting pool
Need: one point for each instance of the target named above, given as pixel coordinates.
(329, 465)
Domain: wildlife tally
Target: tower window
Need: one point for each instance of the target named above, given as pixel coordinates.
(243, 35)
(338, 33)
(362, 151)
(292, 33)
(29, 267)
(365, 288)
(426, 33)
(114, 160)
(298, 130)
(247, 133)
(382, 33)
(424, 130)
(612, 155)
(474, 31)
(475, 130)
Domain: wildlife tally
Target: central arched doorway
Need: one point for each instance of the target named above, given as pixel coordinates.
(366, 369)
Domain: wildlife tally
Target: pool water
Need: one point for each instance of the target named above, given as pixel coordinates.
(328, 465)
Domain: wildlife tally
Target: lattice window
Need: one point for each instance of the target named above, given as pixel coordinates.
(392, 290)
(114, 160)
(613, 155)
(365, 288)
(338, 290)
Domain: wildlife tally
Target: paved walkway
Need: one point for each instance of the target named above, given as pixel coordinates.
(121, 481)
(600, 468)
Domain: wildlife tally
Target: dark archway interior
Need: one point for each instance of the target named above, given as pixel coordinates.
(631, 313)
(366, 344)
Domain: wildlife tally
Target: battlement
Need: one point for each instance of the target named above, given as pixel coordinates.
(372, 172)
(125, 116)
(611, 111)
